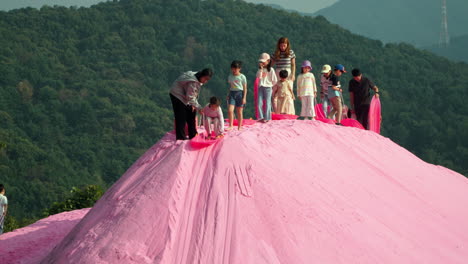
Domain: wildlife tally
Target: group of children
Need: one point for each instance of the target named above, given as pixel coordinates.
(275, 90)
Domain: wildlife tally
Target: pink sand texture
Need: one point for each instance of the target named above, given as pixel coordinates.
(34, 242)
(286, 191)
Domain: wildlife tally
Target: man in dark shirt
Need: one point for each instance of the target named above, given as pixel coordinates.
(360, 97)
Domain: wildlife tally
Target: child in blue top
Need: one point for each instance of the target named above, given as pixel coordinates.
(334, 94)
(237, 97)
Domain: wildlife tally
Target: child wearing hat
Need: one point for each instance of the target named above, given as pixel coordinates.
(306, 90)
(325, 83)
(267, 79)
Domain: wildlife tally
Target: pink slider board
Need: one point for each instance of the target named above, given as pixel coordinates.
(375, 115)
(199, 141)
(351, 123)
(283, 116)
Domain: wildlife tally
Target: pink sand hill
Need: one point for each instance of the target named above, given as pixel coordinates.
(33, 243)
(283, 192)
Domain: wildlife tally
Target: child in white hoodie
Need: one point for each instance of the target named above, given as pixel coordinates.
(212, 114)
(307, 90)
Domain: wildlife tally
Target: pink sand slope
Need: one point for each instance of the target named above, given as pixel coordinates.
(32, 243)
(286, 191)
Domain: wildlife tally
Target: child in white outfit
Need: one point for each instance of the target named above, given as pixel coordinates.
(212, 114)
(307, 90)
(267, 76)
(283, 96)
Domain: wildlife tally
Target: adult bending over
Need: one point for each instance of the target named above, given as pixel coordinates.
(184, 97)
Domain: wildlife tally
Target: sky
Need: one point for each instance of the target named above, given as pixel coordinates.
(306, 6)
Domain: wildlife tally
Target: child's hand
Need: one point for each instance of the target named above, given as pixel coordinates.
(244, 101)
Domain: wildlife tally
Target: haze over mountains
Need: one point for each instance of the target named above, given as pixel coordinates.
(15, 4)
(304, 6)
(457, 50)
(417, 22)
(413, 21)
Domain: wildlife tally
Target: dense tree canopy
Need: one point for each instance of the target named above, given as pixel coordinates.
(84, 91)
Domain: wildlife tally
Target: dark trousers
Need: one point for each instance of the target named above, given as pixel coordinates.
(362, 115)
(183, 114)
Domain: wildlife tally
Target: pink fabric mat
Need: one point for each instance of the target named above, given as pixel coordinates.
(283, 116)
(319, 111)
(351, 123)
(199, 141)
(375, 115)
(275, 193)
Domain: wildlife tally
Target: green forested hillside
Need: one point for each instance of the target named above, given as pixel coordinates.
(84, 92)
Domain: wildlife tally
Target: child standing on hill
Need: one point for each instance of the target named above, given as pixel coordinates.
(3, 207)
(237, 97)
(306, 90)
(283, 95)
(334, 93)
(325, 83)
(284, 58)
(267, 76)
(212, 114)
